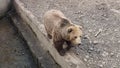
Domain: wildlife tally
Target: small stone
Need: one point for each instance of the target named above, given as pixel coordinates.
(103, 62)
(117, 55)
(90, 30)
(91, 48)
(70, 64)
(95, 42)
(87, 56)
(89, 51)
(73, 65)
(101, 65)
(112, 53)
(77, 52)
(78, 12)
(23, 53)
(86, 37)
(104, 15)
(85, 59)
(119, 41)
(90, 41)
(116, 30)
(104, 53)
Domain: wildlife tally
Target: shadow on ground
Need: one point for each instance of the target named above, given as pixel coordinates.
(14, 52)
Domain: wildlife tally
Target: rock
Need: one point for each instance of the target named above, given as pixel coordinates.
(119, 41)
(86, 37)
(101, 65)
(104, 54)
(90, 30)
(85, 59)
(4, 6)
(91, 48)
(23, 53)
(79, 12)
(87, 56)
(95, 42)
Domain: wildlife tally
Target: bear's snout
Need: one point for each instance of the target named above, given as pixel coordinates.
(79, 44)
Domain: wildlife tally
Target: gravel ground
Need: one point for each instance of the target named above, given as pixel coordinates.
(100, 20)
(14, 52)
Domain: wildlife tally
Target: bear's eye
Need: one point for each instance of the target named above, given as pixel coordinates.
(70, 30)
(75, 37)
(80, 36)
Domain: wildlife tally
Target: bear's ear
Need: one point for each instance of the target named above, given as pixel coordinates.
(80, 27)
(64, 22)
(70, 30)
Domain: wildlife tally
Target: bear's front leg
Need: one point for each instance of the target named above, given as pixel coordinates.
(49, 36)
(68, 45)
(59, 46)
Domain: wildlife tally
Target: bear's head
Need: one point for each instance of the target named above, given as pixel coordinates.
(74, 34)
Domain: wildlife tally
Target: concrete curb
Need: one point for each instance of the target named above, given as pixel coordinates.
(42, 58)
(68, 61)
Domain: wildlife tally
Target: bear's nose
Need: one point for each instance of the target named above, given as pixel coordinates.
(79, 44)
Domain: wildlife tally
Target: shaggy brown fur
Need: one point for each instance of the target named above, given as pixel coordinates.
(61, 30)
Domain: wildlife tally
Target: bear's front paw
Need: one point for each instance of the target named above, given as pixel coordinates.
(62, 52)
(49, 36)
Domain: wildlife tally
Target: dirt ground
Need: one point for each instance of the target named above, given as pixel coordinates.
(14, 52)
(101, 25)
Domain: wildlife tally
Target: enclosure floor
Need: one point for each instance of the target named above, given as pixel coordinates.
(101, 25)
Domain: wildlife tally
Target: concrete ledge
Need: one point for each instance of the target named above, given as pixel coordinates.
(42, 57)
(68, 61)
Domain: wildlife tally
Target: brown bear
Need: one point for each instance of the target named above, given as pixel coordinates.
(60, 29)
